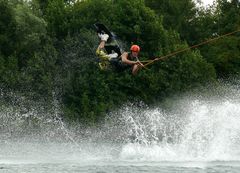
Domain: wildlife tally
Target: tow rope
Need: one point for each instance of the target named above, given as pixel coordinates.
(148, 62)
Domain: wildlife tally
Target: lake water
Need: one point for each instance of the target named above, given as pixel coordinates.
(66, 158)
(165, 167)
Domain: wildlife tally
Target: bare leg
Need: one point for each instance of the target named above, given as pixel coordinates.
(101, 45)
(135, 69)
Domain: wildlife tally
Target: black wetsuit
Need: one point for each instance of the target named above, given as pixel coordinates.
(119, 65)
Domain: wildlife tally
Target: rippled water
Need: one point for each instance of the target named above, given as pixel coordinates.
(29, 157)
(185, 167)
(196, 135)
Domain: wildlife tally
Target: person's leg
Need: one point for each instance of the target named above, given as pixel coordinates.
(135, 69)
(104, 59)
(102, 55)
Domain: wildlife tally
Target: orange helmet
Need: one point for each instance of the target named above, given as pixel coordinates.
(135, 48)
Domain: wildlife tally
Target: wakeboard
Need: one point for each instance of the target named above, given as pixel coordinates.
(111, 45)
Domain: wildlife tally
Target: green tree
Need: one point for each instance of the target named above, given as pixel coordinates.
(52, 48)
(224, 53)
(177, 15)
(7, 28)
(30, 31)
(57, 18)
(228, 15)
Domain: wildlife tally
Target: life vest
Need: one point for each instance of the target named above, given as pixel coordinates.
(119, 65)
(115, 62)
(131, 58)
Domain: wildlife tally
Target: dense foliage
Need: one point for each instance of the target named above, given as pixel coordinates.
(48, 47)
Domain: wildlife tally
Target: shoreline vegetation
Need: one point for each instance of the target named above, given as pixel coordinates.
(47, 51)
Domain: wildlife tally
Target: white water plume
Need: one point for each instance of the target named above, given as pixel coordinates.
(192, 129)
(207, 130)
(29, 121)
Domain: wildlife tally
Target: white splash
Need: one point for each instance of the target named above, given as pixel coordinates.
(207, 131)
(193, 129)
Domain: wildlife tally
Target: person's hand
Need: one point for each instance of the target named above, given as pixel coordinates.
(139, 64)
(103, 37)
